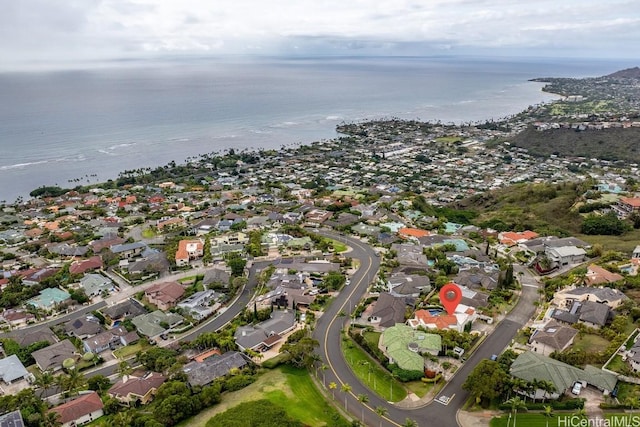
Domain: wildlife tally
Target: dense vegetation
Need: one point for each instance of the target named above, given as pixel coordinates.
(607, 144)
(259, 413)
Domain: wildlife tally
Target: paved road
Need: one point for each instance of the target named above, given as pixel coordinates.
(328, 332)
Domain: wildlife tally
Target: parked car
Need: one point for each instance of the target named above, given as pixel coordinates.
(577, 388)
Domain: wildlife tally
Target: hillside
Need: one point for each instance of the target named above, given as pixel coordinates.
(629, 73)
(606, 144)
(545, 208)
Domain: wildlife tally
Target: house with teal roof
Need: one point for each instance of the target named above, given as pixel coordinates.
(48, 298)
(405, 346)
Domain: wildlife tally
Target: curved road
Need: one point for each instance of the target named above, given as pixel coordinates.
(330, 326)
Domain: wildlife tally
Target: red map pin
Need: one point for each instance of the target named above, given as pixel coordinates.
(450, 296)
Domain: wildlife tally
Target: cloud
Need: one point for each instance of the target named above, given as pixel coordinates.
(93, 29)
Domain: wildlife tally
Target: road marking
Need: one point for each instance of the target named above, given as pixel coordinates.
(529, 286)
(445, 400)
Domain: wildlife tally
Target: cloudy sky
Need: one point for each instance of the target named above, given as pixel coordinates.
(52, 31)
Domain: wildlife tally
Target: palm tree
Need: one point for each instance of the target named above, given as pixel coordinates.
(346, 389)
(515, 403)
(51, 419)
(381, 411)
(323, 368)
(580, 413)
(363, 398)
(72, 382)
(45, 381)
(332, 387)
(410, 423)
(548, 413)
(122, 419)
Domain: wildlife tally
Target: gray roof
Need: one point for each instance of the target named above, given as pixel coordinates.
(216, 275)
(564, 316)
(127, 247)
(11, 369)
(94, 282)
(389, 309)
(149, 324)
(603, 294)
(594, 312)
(554, 335)
(126, 309)
(405, 284)
(251, 336)
(34, 335)
(52, 357)
(86, 325)
(11, 419)
(201, 374)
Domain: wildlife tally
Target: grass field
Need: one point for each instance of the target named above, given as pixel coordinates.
(290, 388)
(371, 374)
(338, 246)
(130, 350)
(590, 343)
(617, 364)
(625, 243)
(148, 233)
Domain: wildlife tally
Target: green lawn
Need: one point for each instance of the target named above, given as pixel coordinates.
(371, 374)
(290, 388)
(130, 350)
(590, 343)
(448, 139)
(537, 419)
(338, 246)
(148, 233)
(617, 364)
(372, 338)
(627, 390)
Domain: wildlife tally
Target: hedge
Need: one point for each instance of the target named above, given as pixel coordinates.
(557, 405)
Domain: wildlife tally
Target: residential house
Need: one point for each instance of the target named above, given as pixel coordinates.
(164, 295)
(512, 238)
(12, 419)
(625, 206)
(17, 318)
(81, 410)
(409, 254)
(408, 285)
(12, 370)
(82, 266)
(37, 275)
(565, 255)
(154, 324)
(83, 327)
(530, 366)
(552, 337)
(36, 334)
(264, 335)
(317, 216)
(201, 304)
(477, 278)
(188, 250)
(127, 309)
(137, 390)
(204, 372)
(597, 275)
(216, 276)
(95, 284)
(388, 311)
(107, 340)
(611, 297)
(405, 346)
(106, 242)
(51, 358)
(49, 298)
(128, 250)
(436, 319)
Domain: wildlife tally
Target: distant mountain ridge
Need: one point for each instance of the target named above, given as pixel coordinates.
(629, 73)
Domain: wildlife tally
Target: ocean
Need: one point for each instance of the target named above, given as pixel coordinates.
(85, 126)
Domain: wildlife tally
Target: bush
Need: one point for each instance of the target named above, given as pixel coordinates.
(405, 375)
(238, 382)
(565, 405)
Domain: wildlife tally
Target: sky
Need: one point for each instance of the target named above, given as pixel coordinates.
(72, 31)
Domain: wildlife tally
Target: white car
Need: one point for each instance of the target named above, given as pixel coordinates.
(577, 388)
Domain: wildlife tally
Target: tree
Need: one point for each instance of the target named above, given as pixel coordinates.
(51, 419)
(236, 263)
(548, 413)
(122, 419)
(45, 381)
(381, 411)
(323, 368)
(515, 403)
(410, 423)
(363, 398)
(300, 354)
(332, 387)
(486, 381)
(124, 369)
(73, 381)
(99, 383)
(346, 389)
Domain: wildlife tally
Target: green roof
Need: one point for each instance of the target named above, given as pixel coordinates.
(397, 339)
(531, 366)
(48, 298)
(149, 324)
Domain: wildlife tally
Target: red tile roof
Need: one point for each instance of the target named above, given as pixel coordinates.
(77, 408)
